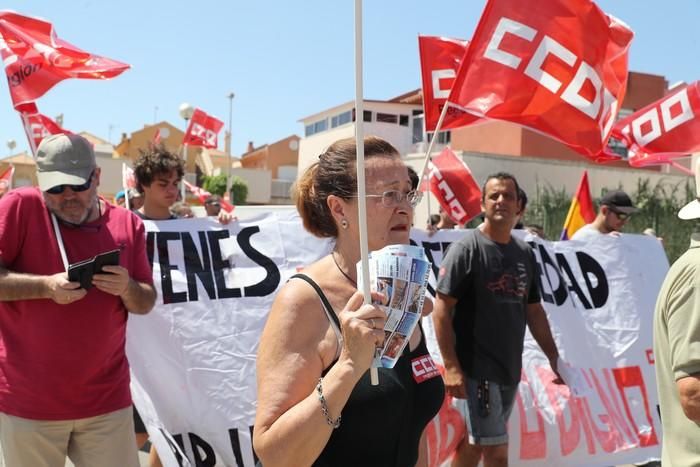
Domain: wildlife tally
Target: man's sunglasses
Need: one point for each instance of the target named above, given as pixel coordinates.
(57, 190)
(623, 216)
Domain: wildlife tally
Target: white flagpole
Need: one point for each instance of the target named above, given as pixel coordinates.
(28, 132)
(125, 187)
(360, 143)
(429, 152)
(426, 161)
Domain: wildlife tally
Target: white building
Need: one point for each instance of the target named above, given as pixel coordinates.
(397, 122)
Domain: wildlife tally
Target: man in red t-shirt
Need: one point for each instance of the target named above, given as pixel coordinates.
(64, 377)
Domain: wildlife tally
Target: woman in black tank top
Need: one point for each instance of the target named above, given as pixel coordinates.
(315, 402)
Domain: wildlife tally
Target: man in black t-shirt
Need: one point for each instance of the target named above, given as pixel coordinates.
(487, 293)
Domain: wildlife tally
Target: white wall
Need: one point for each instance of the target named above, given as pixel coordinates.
(531, 172)
(287, 172)
(111, 178)
(259, 183)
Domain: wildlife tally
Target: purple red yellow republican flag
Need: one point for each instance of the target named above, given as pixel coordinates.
(581, 211)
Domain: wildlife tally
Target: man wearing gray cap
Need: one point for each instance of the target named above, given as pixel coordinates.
(64, 377)
(616, 208)
(677, 350)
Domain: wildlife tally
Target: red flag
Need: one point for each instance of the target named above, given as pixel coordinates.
(453, 185)
(203, 130)
(6, 180)
(664, 130)
(36, 125)
(581, 211)
(203, 194)
(558, 67)
(36, 59)
(439, 61)
(128, 177)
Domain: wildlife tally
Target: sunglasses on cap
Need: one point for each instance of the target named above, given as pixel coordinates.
(58, 189)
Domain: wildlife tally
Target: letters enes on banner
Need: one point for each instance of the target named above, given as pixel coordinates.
(664, 130)
(203, 130)
(558, 67)
(36, 59)
(439, 62)
(36, 125)
(453, 185)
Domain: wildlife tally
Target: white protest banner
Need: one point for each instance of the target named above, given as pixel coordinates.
(194, 354)
(599, 297)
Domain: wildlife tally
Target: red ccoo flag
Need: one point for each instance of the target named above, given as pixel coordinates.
(203, 130)
(664, 130)
(36, 125)
(453, 185)
(6, 180)
(203, 194)
(557, 67)
(36, 59)
(439, 62)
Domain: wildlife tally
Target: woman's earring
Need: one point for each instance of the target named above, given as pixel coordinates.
(344, 224)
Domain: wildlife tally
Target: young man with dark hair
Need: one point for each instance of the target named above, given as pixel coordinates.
(158, 174)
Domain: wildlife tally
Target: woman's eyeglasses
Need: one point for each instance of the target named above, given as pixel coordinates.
(57, 190)
(392, 198)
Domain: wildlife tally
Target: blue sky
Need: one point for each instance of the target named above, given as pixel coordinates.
(284, 60)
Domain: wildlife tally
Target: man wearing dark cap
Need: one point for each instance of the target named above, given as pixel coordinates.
(64, 377)
(676, 350)
(213, 205)
(615, 210)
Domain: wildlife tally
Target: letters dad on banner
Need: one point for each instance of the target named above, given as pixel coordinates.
(194, 354)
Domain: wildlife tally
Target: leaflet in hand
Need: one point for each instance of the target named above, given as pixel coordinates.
(401, 273)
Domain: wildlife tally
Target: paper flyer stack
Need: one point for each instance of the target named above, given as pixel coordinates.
(400, 272)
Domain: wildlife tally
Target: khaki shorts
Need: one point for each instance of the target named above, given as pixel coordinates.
(106, 441)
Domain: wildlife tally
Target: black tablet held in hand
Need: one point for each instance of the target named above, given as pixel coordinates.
(84, 270)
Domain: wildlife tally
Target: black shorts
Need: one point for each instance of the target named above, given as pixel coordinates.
(139, 427)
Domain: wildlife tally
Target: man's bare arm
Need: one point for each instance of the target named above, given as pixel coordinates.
(22, 286)
(455, 382)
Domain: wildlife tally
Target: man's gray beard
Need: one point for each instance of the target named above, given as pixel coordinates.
(87, 215)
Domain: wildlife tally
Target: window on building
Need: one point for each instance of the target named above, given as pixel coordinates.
(316, 127)
(367, 115)
(444, 137)
(403, 120)
(417, 133)
(321, 125)
(387, 118)
(341, 119)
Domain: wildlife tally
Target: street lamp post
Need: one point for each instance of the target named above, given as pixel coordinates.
(11, 145)
(230, 97)
(186, 111)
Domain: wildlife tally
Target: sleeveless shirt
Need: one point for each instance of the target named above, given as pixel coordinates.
(382, 425)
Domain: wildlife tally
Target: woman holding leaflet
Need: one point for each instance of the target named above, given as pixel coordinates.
(315, 402)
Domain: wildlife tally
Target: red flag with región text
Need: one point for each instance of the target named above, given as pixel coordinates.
(36, 59)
